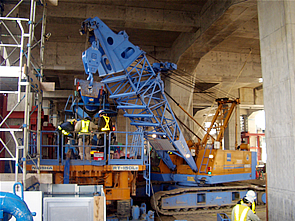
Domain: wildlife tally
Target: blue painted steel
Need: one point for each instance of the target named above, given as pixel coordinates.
(202, 199)
(143, 208)
(92, 103)
(161, 177)
(14, 205)
(206, 179)
(134, 150)
(70, 110)
(166, 158)
(71, 147)
(112, 218)
(135, 212)
(138, 86)
(164, 67)
(138, 213)
(224, 178)
(116, 52)
(92, 100)
(263, 197)
(147, 172)
(81, 114)
(222, 217)
(91, 59)
(21, 188)
(150, 215)
(253, 164)
(67, 172)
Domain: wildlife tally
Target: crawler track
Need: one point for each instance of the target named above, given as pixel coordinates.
(158, 198)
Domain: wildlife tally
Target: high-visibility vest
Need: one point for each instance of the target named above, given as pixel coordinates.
(240, 212)
(252, 207)
(107, 126)
(85, 126)
(64, 132)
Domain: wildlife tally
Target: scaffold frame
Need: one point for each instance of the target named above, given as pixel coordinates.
(18, 69)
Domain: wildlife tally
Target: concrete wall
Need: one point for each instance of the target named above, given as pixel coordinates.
(184, 96)
(277, 40)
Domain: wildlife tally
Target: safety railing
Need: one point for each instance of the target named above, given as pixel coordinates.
(32, 151)
(49, 148)
(96, 148)
(129, 149)
(85, 149)
(56, 148)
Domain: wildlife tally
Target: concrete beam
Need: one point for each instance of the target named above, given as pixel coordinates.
(227, 17)
(59, 94)
(131, 16)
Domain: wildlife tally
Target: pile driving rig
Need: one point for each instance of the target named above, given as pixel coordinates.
(138, 90)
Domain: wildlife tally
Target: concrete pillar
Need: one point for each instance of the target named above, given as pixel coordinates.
(277, 42)
(232, 133)
(183, 95)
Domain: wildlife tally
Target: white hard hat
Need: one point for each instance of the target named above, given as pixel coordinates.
(251, 193)
(251, 196)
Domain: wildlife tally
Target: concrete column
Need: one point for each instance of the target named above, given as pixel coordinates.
(232, 133)
(183, 95)
(277, 42)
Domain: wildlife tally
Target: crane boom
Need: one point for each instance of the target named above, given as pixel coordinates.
(137, 88)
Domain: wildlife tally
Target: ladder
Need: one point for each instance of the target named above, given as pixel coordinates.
(205, 159)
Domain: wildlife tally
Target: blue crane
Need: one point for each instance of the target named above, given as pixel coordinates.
(137, 88)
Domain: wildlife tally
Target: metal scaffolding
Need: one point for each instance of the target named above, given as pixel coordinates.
(13, 53)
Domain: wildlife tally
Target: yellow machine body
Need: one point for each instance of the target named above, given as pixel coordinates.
(221, 162)
(118, 185)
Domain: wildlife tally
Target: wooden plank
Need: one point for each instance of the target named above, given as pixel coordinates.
(48, 86)
(7, 71)
(52, 2)
(98, 208)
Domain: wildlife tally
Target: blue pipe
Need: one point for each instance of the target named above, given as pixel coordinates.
(12, 204)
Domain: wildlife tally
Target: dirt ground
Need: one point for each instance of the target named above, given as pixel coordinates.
(260, 211)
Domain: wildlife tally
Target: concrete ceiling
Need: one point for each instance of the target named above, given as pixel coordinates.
(216, 41)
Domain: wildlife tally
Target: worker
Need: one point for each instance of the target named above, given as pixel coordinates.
(242, 212)
(104, 122)
(66, 130)
(104, 125)
(250, 193)
(84, 128)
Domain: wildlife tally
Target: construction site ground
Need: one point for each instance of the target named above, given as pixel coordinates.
(211, 215)
(260, 211)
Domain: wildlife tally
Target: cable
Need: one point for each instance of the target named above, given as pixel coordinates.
(184, 78)
(241, 70)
